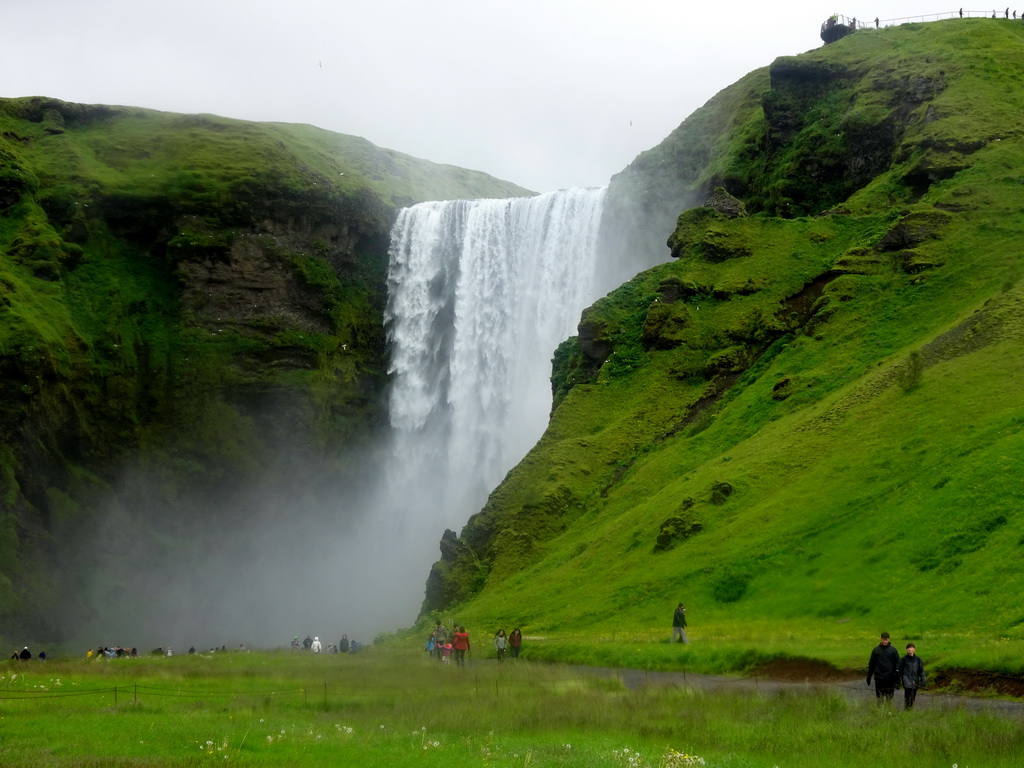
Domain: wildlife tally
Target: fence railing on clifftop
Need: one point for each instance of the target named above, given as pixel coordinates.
(855, 23)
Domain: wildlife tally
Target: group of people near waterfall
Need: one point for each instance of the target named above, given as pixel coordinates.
(313, 645)
(452, 644)
(26, 655)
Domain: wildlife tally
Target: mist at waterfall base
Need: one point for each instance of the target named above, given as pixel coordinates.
(480, 294)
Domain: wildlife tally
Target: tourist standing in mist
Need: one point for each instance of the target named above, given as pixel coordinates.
(315, 647)
(883, 666)
(460, 644)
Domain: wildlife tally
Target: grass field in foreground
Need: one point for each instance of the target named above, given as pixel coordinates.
(387, 708)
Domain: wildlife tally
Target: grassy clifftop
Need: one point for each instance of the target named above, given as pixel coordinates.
(809, 426)
(185, 295)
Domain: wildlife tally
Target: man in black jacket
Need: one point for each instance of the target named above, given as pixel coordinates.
(679, 623)
(883, 666)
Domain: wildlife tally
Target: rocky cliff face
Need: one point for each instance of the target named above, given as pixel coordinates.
(189, 299)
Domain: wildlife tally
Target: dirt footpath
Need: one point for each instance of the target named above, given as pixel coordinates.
(769, 681)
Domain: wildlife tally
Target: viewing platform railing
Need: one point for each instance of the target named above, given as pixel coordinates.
(855, 22)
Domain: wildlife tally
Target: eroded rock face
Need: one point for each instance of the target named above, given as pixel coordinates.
(248, 283)
(594, 343)
(725, 203)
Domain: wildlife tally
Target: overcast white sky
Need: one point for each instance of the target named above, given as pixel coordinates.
(545, 93)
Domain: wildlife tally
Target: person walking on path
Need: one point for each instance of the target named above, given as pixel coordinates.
(679, 624)
(460, 644)
(500, 644)
(883, 666)
(911, 673)
(440, 638)
(515, 642)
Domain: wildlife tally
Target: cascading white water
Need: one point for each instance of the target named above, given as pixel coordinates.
(480, 294)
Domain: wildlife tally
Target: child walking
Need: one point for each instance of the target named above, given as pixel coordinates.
(910, 672)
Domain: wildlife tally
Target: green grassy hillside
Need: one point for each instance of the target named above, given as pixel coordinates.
(810, 425)
(180, 297)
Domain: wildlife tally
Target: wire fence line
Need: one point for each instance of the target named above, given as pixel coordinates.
(856, 22)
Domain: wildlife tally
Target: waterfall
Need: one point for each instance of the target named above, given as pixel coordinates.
(480, 294)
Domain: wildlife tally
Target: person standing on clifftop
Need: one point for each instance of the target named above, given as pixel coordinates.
(883, 666)
(679, 624)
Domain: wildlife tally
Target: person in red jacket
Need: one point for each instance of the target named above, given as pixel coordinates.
(515, 642)
(460, 644)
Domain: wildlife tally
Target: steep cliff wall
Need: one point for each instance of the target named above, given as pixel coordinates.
(817, 390)
(189, 299)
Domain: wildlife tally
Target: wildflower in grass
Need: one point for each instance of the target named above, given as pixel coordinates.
(627, 756)
(674, 759)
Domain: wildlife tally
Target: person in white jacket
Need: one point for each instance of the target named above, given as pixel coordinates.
(315, 647)
(500, 644)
